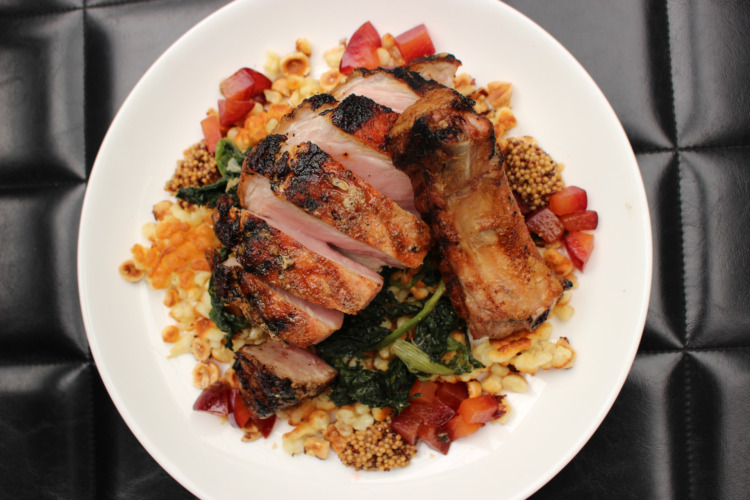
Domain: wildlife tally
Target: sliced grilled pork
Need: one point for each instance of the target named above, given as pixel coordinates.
(439, 67)
(397, 88)
(275, 376)
(354, 133)
(276, 311)
(494, 274)
(335, 281)
(303, 187)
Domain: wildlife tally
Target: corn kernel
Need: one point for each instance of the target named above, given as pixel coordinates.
(564, 312)
(475, 388)
(492, 384)
(205, 373)
(514, 382)
(130, 272)
(170, 334)
(333, 56)
(317, 447)
(303, 45)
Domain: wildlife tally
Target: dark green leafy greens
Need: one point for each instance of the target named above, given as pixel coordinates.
(422, 357)
(374, 388)
(229, 162)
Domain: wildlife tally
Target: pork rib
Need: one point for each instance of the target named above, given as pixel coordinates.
(275, 376)
(317, 185)
(494, 274)
(276, 311)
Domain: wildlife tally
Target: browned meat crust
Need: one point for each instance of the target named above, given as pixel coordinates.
(439, 67)
(494, 274)
(365, 119)
(309, 178)
(280, 260)
(356, 115)
(270, 308)
(274, 376)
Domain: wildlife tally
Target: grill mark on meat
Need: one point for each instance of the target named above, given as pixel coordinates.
(272, 309)
(365, 119)
(494, 274)
(275, 376)
(310, 179)
(354, 133)
(282, 261)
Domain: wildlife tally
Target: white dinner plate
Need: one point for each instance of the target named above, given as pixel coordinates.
(554, 100)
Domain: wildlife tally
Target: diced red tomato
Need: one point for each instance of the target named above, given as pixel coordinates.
(265, 425)
(407, 424)
(436, 437)
(243, 416)
(568, 200)
(479, 409)
(362, 50)
(457, 428)
(583, 220)
(435, 412)
(211, 131)
(546, 224)
(244, 85)
(579, 246)
(426, 391)
(232, 111)
(452, 394)
(415, 42)
(215, 399)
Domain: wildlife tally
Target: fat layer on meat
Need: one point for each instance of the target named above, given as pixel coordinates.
(316, 185)
(332, 281)
(275, 376)
(272, 309)
(398, 88)
(354, 133)
(494, 274)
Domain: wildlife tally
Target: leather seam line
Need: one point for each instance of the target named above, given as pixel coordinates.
(26, 14)
(51, 362)
(689, 429)
(657, 352)
(683, 252)
(31, 14)
(690, 149)
(115, 3)
(41, 185)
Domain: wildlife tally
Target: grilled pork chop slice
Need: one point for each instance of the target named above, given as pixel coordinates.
(275, 376)
(272, 309)
(494, 274)
(280, 260)
(323, 193)
(397, 88)
(354, 133)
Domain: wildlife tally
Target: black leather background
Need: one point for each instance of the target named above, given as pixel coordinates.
(676, 72)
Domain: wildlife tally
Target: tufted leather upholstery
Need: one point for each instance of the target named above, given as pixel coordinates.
(676, 73)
